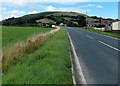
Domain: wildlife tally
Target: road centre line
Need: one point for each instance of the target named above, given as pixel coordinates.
(89, 36)
(109, 46)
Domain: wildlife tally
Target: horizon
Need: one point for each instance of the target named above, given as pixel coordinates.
(99, 9)
(58, 11)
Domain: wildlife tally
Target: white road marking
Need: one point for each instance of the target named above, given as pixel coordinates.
(81, 33)
(104, 35)
(77, 62)
(73, 77)
(109, 46)
(89, 36)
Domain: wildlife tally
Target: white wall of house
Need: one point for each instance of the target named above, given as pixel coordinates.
(53, 26)
(116, 25)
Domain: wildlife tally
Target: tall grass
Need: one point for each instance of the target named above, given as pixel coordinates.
(13, 53)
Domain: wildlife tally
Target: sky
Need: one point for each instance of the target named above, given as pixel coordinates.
(19, 8)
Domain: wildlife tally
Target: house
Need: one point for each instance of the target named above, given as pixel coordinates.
(108, 24)
(91, 24)
(116, 25)
(53, 26)
(61, 24)
(101, 25)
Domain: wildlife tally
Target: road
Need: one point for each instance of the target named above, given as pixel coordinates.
(98, 56)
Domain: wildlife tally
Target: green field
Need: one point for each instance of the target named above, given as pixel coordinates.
(49, 64)
(67, 18)
(90, 19)
(12, 34)
(45, 20)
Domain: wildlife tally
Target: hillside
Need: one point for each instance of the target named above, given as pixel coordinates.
(45, 20)
(40, 19)
(67, 14)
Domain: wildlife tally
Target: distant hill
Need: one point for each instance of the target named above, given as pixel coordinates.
(67, 14)
(46, 17)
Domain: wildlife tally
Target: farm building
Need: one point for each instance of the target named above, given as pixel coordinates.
(116, 25)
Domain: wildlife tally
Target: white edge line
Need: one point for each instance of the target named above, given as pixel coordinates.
(77, 61)
(103, 35)
(73, 77)
(109, 46)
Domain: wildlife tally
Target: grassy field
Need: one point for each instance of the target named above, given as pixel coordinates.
(49, 64)
(117, 35)
(45, 20)
(12, 34)
(67, 18)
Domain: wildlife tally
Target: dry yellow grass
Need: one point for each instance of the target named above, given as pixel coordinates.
(13, 53)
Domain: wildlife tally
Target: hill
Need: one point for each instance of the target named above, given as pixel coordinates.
(66, 14)
(47, 19)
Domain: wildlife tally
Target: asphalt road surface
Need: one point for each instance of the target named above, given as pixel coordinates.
(98, 56)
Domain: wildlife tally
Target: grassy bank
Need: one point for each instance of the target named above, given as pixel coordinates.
(14, 52)
(12, 34)
(116, 35)
(49, 64)
(23, 43)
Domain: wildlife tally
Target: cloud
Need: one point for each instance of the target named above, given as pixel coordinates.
(50, 8)
(2, 8)
(99, 6)
(60, 1)
(67, 3)
(68, 9)
(91, 5)
(16, 12)
(13, 13)
(33, 12)
(20, 2)
(31, 3)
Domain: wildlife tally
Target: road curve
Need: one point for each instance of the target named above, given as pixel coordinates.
(98, 56)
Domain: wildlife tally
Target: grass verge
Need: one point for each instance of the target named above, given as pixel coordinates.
(49, 64)
(116, 35)
(13, 53)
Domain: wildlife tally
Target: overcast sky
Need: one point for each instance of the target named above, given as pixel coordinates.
(19, 8)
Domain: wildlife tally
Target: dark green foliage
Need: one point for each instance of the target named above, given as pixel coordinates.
(30, 20)
(81, 20)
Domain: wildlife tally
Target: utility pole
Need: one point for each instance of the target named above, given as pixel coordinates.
(86, 12)
(86, 18)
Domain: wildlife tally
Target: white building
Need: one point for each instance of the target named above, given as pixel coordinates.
(116, 25)
(61, 24)
(53, 26)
